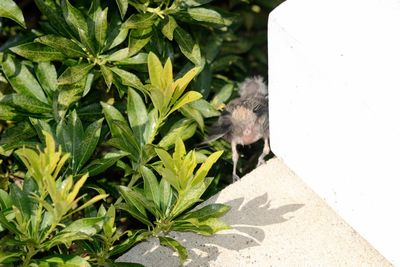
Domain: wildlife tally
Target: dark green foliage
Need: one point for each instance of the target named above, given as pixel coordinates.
(127, 90)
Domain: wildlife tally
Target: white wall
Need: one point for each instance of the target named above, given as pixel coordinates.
(334, 70)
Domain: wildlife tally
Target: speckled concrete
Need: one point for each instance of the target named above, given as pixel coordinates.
(277, 221)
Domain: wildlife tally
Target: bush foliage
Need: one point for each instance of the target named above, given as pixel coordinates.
(100, 102)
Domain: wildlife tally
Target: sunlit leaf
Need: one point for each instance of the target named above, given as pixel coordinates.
(64, 45)
(9, 9)
(175, 245)
(75, 73)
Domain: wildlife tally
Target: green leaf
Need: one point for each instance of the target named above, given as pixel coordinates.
(98, 166)
(124, 264)
(140, 21)
(74, 18)
(191, 113)
(138, 59)
(206, 109)
(184, 129)
(25, 104)
(7, 112)
(22, 80)
(89, 143)
(87, 226)
(100, 26)
(9, 9)
(63, 261)
(112, 114)
(46, 74)
(210, 211)
(107, 75)
(201, 173)
(134, 204)
(63, 45)
(128, 78)
(166, 196)
(223, 95)
(155, 70)
(189, 197)
(134, 237)
(5, 200)
(207, 227)
(175, 245)
(70, 136)
(185, 99)
(169, 27)
(166, 159)
(206, 15)
(137, 115)
(181, 83)
(188, 47)
(75, 73)
(22, 201)
(116, 34)
(138, 39)
(191, 3)
(15, 136)
(38, 52)
(122, 7)
(151, 187)
(54, 14)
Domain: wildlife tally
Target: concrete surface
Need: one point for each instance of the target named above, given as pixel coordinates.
(334, 87)
(277, 221)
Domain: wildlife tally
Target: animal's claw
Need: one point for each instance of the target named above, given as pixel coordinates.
(235, 177)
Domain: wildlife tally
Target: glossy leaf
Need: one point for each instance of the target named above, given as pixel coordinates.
(128, 78)
(63, 261)
(151, 186)
(169, 27)
(46, 74)
(175, 245)
(75, 73)
(54, 14)
(140, 21)
(100, 26)
(188, 47)
(38, 52)
(193, 3)
(25, 104)
(98, 166)
(155, 70)
(22, 80)
(74, 18)
(9, 9)
(22, 201)
(201, 173)
(137, 115)
(89, 143)
(123, 7)
(186, 99)
(210, 211)
(205, 15)
(184, 129)
(138, 39)
(63, 45)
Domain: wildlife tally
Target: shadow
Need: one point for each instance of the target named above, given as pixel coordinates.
(246, 231)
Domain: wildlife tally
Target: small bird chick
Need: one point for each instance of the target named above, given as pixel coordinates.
(245, 120)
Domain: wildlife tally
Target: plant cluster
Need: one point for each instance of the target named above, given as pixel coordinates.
(99, 101)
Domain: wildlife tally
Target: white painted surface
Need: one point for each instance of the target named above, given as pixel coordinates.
(335, 107)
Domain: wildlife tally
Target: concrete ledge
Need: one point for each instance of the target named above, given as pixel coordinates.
(334, 92)
(277, 221)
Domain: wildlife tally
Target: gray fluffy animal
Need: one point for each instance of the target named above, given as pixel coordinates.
(245, 120)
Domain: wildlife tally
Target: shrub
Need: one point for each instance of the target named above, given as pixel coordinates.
(115, 86)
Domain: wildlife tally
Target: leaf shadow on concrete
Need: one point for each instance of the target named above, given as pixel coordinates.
(247, 221)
